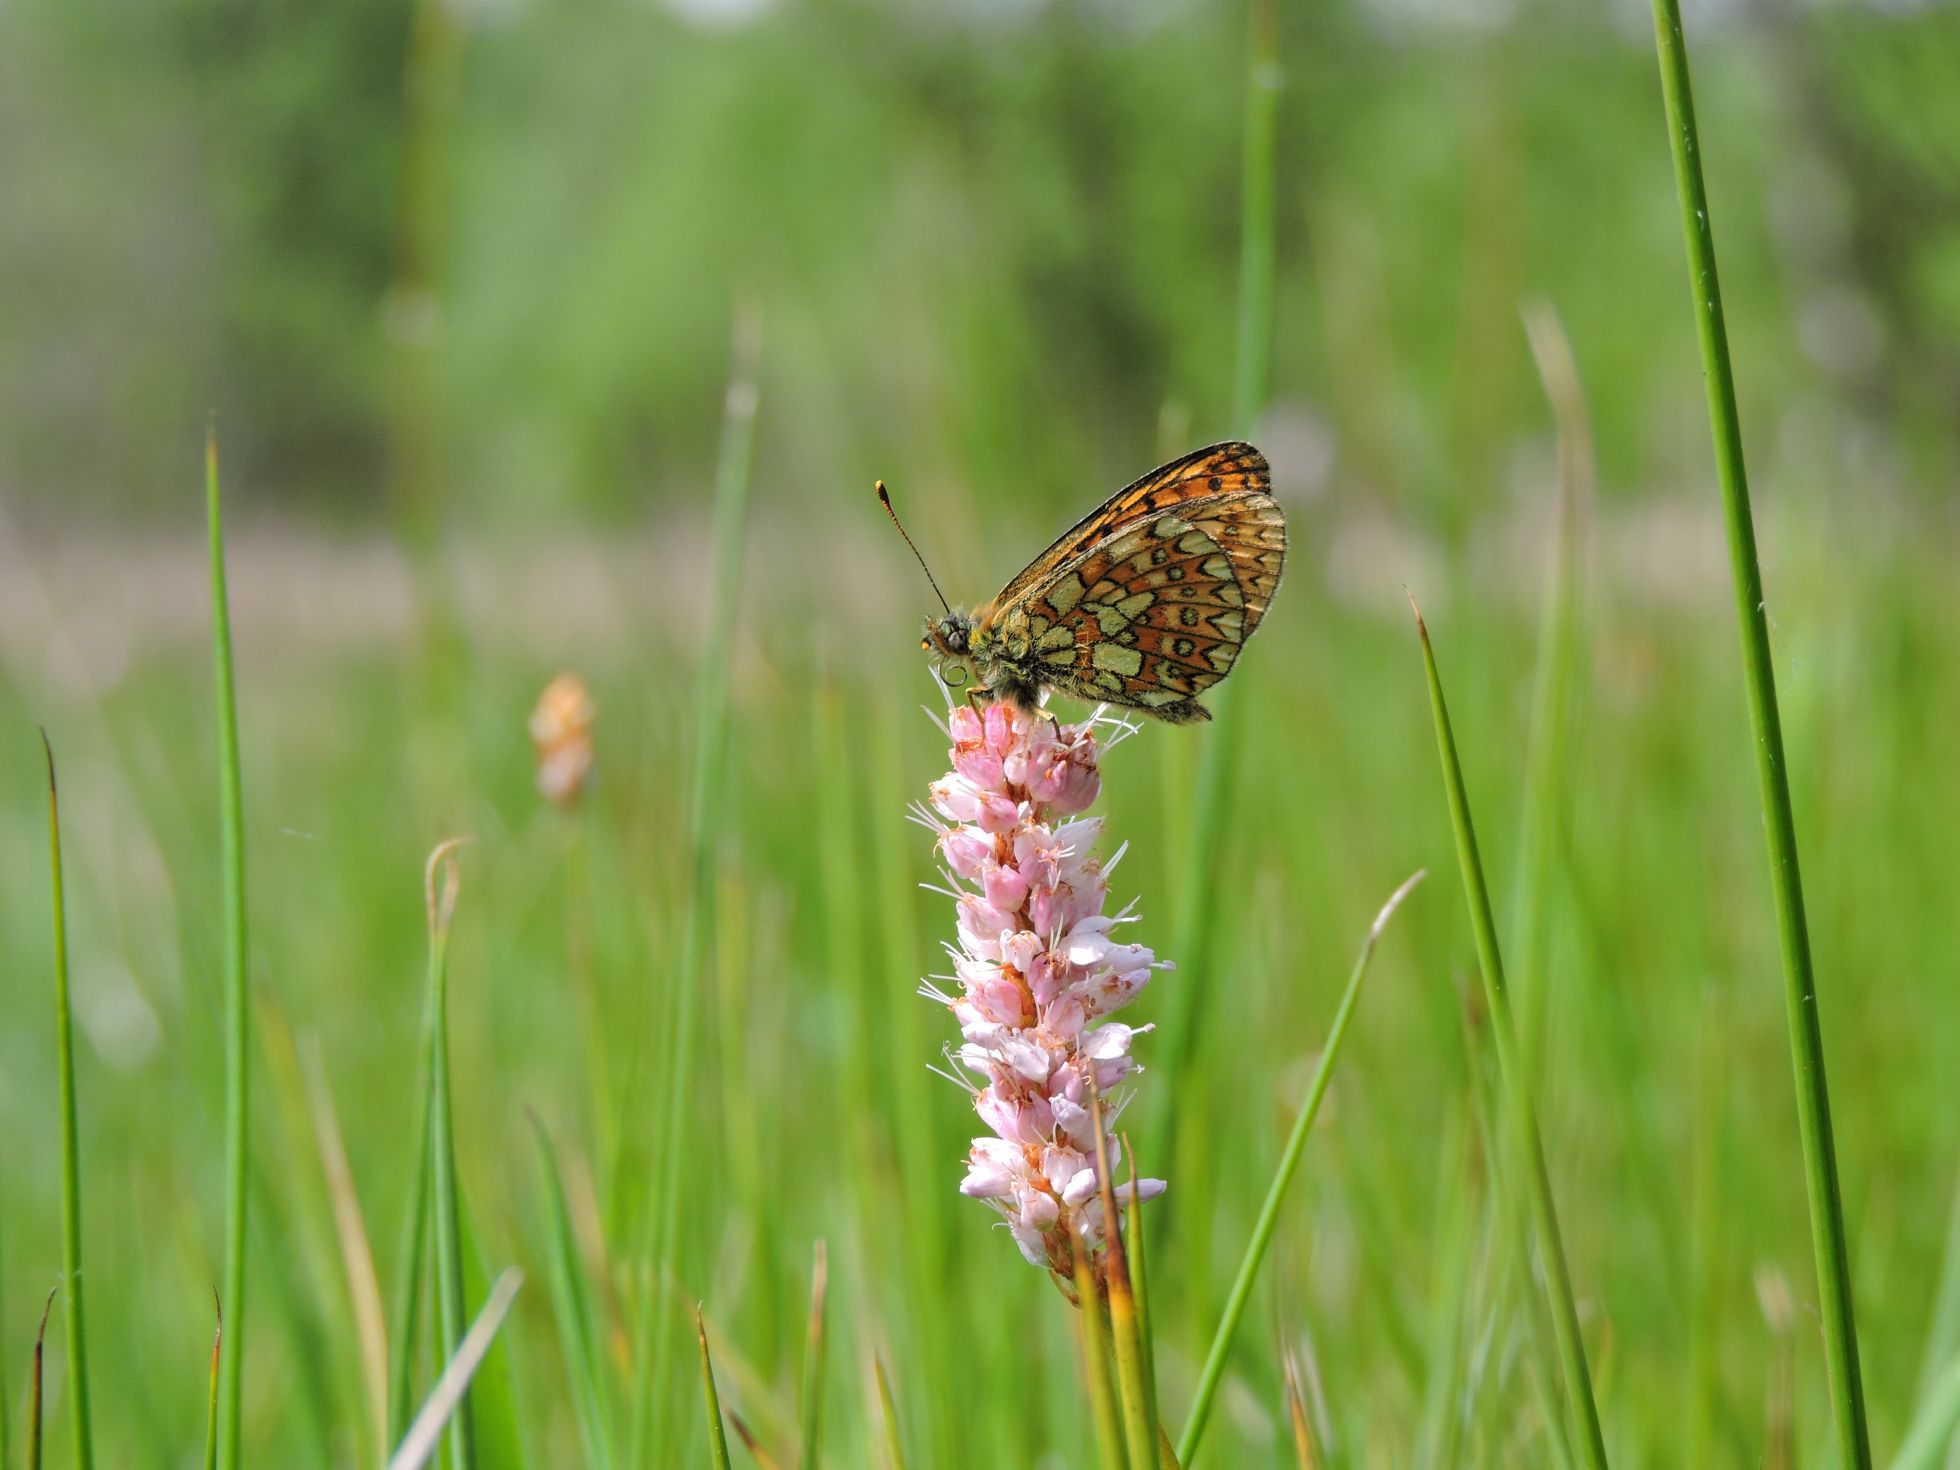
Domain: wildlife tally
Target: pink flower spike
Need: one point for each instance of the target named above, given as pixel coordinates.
(1038, 971)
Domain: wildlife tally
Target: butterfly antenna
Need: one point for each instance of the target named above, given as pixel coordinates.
(884, 499)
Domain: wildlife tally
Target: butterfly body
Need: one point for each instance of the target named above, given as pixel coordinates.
(1144, 603)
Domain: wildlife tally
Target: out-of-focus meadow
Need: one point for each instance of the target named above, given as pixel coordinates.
(460, 284)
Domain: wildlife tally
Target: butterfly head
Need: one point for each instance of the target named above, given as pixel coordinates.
(951, 642)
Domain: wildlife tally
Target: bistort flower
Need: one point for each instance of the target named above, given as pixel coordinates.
(1039, 971)
(561, 729)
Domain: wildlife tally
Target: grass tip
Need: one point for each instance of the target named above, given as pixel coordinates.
(1395, 899)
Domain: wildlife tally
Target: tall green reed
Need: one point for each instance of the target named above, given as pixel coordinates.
(731, 496)
(231, 810)
(1547, 796)
(571, 1303)
(71, 1160)
(444, 1191)
(407, 1306)
(1832, 1250)
(1194, 922)
(1520, 1109)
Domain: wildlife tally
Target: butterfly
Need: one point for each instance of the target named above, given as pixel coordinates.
(1145, 602)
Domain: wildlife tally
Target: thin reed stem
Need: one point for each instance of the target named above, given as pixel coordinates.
(572, 1306)
(1772, 769)
(1521, 1109)
(450, 1306)
(731, 499)
(71, 1152)
(1125, 1323)
(1093, 1318)
(407, 1306)
(1289, 1161)
(1196, 920)
(231, 812)
(815, 1351)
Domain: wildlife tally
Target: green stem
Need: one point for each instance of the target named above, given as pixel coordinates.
(1197, 918)
(231, 812)
(450, 1305)
(1289, 1161)
(1253, 362)
(415, 1239)
(731, 497)
(1096, 1362)
(1779, 825)
(1522, 1111)
(815, 1347)
(1140, 1431)
(71, 1156)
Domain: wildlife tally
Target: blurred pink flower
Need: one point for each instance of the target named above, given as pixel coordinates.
(561, 729)
(1037, 971)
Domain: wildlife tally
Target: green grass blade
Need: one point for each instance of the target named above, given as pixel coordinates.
(356, 1256)
(1135, 1259)
(1253, 358)
(731, 498)
(572, 1305)
(717, 1432)
(447, 1397)
(442, 1154)
(211, 1396)
(71, 1159)
(1262, 1229)
(1521, 1109)
(815, 1350)
(1779, 824)
(231, 810)
(894, 1444)
(408, 1300)
(34, 1387)
(1943, 1326)
(1925, 1444)
(1547, 798)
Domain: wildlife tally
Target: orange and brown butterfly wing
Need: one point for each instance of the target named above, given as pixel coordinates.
(1153, 610)
(1214, 471)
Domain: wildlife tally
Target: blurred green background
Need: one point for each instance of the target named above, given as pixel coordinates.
(459, 283)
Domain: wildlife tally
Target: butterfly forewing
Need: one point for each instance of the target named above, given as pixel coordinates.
(1219, 470)
(1147, 602)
